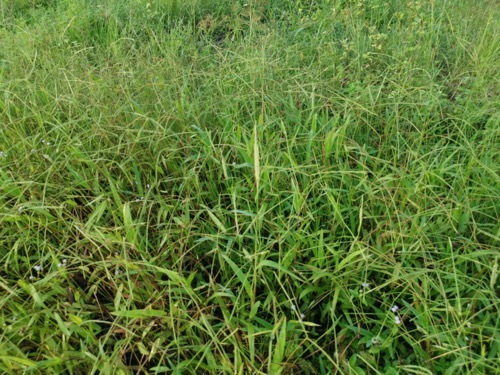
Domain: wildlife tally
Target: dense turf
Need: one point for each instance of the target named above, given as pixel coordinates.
(250, 187)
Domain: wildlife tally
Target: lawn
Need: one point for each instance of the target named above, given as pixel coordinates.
(249, 187)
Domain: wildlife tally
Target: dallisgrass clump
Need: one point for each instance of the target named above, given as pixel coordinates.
(251, 187)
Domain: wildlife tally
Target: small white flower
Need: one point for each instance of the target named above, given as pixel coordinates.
(147, 186)
(302, 316)
(469, 305)
(398, 320)
(20, 208)
(37, 268)
(32, 277)
(59, 265)
(395, 308)
(365, 285)
(117, 273)
(375, 340)
(466, 338)
(64, 261)
(469, 324)
(293, 307)
(43, 140)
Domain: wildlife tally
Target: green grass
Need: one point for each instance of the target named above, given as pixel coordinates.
(249, 187)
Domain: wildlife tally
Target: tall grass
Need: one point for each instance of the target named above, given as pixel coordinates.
(254, 187)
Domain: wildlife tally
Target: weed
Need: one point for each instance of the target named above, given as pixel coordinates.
(249, 187)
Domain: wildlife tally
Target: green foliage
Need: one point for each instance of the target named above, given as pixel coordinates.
(248, 187)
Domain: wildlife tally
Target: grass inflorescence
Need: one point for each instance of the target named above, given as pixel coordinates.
(251, 187)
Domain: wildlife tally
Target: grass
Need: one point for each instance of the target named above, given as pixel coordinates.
(256, 187)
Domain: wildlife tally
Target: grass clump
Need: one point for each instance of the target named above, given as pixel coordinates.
(249, 187)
